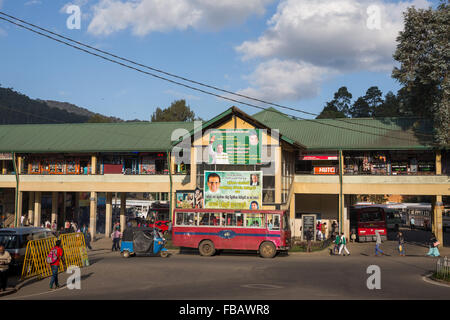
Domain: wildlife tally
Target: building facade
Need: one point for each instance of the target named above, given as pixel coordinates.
(59, 172)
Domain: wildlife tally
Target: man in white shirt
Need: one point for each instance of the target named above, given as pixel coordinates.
(218, 157)
(213, 183)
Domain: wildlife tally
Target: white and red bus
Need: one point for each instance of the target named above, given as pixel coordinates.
(266, 231)
(365, 219)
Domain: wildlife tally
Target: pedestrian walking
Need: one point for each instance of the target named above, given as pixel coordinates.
(54, 258)
(333, 227)
(5, 260)
(67, 226)
(87, 239)
(401, 243)
(324, 231)
(412, 223)
(378, 243)
(54, 226)
(353, 236)
(337, 243)
(116, 235)
(433, 245)
(343, 245)
(309, 237)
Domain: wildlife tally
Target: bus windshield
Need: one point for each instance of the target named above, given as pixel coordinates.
(368, 216)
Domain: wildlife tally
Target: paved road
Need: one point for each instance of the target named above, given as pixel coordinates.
(247, 276)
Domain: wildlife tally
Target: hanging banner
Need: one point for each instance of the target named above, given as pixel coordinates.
(234, 146)
(233, 190)
(189, 199)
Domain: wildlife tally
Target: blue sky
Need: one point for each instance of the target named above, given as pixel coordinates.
(292, 52)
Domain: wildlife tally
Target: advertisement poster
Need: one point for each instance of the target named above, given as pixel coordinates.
(233, 190)
(234, 146)
(189, 199)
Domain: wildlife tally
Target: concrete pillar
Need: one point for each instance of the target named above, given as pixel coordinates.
(292, 217)
(37, 209)
(108, 213)
(19, 207)
(64, 207)
(94, 164)
(31, 207)
(93, 215)
(438, 162)
(194, 167)
(77, 208)
(54, 209)
(3, 166)
(438, 208)
(123, 206)
(19, 165)
(346, 218)
(278, 173)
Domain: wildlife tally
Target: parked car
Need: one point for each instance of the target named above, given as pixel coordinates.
(15, 241)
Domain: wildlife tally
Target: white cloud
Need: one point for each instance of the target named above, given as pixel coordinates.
(32, 2)
(145, 16)
(332, 35)
(276, 80)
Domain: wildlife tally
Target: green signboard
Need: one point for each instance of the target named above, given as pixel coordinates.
(233, 190)
(234, 146)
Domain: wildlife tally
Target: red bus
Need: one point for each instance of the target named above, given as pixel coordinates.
(266, 231)
(364, 220)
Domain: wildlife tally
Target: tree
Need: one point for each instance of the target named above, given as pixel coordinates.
(339, 107)
(374, 98)
(360, 109)
(330, 112)
(390, 107)
(178, 111)
(423, 52)
(98, 118)
(367, 105)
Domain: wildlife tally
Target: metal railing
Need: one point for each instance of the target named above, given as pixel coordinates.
(443, 268)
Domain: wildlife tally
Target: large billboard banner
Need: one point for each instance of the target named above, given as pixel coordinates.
(234, 146)
(233, 190)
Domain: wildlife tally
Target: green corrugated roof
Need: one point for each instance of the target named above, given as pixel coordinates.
(89, 137)
(352, 134)
(324, 134)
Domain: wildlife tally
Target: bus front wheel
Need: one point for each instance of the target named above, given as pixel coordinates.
(267, 250)
(206, 248)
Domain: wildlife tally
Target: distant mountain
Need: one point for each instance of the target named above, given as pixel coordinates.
(17, 108)
(69, 107)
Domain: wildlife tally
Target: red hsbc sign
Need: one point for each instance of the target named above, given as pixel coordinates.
(325, 170)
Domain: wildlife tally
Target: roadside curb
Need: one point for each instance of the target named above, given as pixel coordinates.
(8, 292)
(427, 278)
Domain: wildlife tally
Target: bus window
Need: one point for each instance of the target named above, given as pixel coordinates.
(239, 219)
(255, 220)
(186, 218)
(179, 219)
(370, 215)
(276, 222)
(204, 219)
(229, 219)
(214, 219)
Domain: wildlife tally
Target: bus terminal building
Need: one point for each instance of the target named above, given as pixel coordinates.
(267, 160)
